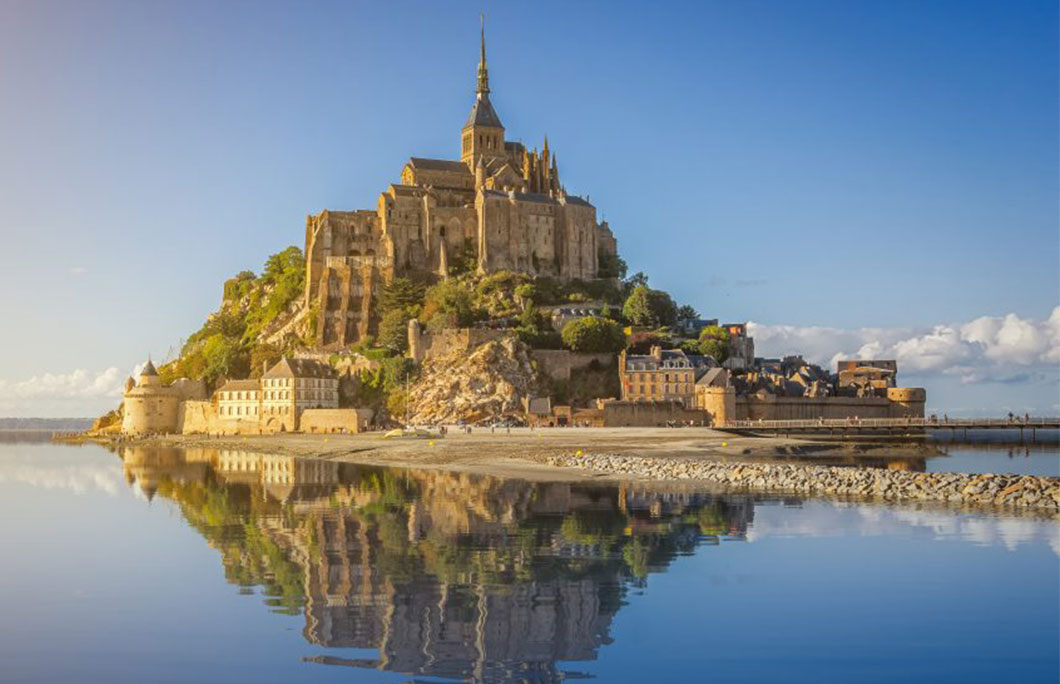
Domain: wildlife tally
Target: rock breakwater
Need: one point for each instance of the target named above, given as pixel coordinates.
(987, 490)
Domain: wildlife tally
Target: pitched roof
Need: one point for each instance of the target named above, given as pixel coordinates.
(574, 199)
(483, 113)
(438, 165)
(299, 368)
(149, 369)
(239, 385)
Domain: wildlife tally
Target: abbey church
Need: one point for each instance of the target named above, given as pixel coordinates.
(500, 204)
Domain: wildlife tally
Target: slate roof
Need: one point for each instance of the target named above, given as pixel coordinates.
(233, 385)
(574, 199)
(299, 368)
(648, 362)
(534, 197)
(439, 165)
(149, 369)
(483, 113)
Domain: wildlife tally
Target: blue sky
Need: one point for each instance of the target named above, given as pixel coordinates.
(806, 165)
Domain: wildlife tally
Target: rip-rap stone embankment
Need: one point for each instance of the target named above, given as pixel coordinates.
(1017, 491)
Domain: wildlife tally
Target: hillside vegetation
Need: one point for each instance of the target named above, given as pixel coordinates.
(261, 317)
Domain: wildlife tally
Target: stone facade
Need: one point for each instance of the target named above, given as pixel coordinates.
(295, 394)
(149, 407)
(501, 205)
(662, 375)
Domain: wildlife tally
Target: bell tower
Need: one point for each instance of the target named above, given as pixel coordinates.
(483, 132)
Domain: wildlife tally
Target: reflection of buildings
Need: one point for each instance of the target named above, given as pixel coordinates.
(445, 574)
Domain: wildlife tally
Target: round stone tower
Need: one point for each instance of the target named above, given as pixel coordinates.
(150, 407)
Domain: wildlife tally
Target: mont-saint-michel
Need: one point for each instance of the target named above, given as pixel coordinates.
(481, 294)
(583, 341)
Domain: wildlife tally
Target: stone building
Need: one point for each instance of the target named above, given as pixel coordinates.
(149, 407)
(239, 400)
(741, 347)
(662, 375)
(501, 206)
(293, 395)
(866, 376)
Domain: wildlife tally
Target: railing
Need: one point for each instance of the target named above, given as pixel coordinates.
(1014, 422)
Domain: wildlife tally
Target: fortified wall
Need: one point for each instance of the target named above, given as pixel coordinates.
(425, 345)
(722, 405)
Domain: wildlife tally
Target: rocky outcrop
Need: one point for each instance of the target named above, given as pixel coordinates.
(489, 381)
(1017, 491)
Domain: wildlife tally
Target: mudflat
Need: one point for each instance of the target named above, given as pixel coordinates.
(524, 452)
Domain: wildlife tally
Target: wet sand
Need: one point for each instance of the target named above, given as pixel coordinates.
(522, 452)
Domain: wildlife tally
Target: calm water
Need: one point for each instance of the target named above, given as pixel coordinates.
(173, 566)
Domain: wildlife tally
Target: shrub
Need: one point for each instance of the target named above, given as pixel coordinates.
(714, 341)
(593, 334)
(642, 342)
(450, 297)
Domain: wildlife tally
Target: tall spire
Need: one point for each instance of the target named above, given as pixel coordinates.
(483, 72)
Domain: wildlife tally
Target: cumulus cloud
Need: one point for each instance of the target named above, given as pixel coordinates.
(78, 384)
(988, 349)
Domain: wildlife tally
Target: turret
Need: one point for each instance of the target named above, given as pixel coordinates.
(149, 376)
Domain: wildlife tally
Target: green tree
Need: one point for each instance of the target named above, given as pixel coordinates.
(593, 334)
(452, 298)
(687, 312)
(714, 342)
(393, 331)
(401, 294)
(649, 308)
(610, 266)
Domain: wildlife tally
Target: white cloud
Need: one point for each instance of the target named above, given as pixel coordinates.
(78, 384)
(999, 349)
(76, 271)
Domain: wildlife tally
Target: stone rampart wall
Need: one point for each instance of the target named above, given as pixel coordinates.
(558, 364)
(722, 404)
(425, 345)
(335, 420)
(650, 414)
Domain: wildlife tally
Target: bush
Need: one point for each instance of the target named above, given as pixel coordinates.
(593, 334)
(452, 298)
(539, 339)
(642, 342)
(714, 341)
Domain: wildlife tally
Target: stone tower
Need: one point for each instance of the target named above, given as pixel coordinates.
(483, 134)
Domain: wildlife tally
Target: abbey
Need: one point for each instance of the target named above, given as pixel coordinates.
(501, 205)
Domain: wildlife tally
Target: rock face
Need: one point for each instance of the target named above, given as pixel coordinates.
(489, 381)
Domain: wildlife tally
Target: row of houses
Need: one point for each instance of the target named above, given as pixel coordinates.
(293, 395)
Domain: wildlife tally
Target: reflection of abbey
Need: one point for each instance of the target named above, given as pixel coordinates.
(501, 205)
(440, 574)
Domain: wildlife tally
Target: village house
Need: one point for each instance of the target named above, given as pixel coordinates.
(661, 375)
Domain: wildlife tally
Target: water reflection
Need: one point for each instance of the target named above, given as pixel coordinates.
(444, 574)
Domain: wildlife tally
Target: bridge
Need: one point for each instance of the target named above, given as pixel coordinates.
(892, 427)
